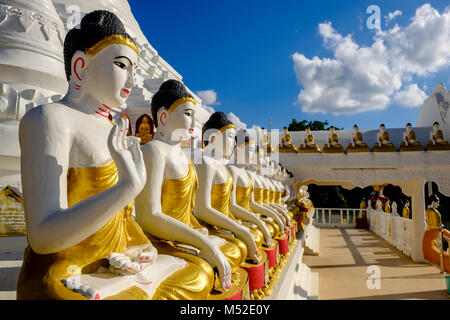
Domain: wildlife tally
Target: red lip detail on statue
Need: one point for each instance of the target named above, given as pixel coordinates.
(127, 92)
(191, 130)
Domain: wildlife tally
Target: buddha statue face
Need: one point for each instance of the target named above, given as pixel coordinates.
(285, 130)
(332, 130)
(408, 128)
(407, 203)
(436, 126)
(382, 128)
(107, 77)
(224, 142)
(355, 128)
(178, 123)
(308, 131)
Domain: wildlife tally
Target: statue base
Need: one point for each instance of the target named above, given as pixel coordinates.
(437, 146)
(258, 275)
(283, 242)
(305, 149)
(358, 148)
(239, 287)
(273, 254)
(288, 148)
(333, 149)
(410, 147)
(384, 148)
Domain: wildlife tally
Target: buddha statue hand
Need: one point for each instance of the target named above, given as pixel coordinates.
(216, 258)
(144, 253)
(203, 231)
(123, 265)
(127, 155)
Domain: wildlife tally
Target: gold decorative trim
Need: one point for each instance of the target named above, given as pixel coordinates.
(180, 101)
(229, 126)
(112, 39)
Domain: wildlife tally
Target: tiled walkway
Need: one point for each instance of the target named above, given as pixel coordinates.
(346, 254)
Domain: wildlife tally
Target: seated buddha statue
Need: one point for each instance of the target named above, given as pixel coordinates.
(437, 141)
(308, 146)
(164, 208)
(383, 144)
(387, 206)
(83, 242)
(333, 146)
(265, 141)
(286, 145)
(357, 144)
(432, 242)
(241, 198)
(409, 142)
(406, 212)
(143, 131)
(212, 203)
(275, 222)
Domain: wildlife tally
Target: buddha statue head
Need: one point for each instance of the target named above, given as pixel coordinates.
(382, 128)
(436, 126)
(285, 130)
(218, 135)
(406, 203)
(355, 128)
(332, 129)
(408, 128)
(173, 112)
(434, 201)
(100, 62)
(308, 131)
(245, 151)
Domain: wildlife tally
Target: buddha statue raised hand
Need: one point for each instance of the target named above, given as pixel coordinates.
(165, 206)
(80, 175)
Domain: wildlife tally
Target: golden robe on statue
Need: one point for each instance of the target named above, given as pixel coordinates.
(41, 275)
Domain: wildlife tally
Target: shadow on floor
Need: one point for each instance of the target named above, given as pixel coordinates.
(427, 295)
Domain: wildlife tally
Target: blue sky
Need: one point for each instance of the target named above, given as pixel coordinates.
(243, 50)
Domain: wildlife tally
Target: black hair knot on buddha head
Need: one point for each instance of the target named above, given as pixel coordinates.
(218, 120)
(169, 92)
(94, 27)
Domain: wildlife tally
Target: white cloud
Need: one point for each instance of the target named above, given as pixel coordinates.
(361, 78)
(413, 96)
(391, 16)
(209, 97)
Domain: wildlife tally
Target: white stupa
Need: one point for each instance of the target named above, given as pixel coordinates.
(436, 108)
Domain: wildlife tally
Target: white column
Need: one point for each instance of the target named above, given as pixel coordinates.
(418, 218)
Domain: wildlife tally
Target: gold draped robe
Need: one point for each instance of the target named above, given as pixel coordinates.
(41, 275)
(221, 201)
(433, 218)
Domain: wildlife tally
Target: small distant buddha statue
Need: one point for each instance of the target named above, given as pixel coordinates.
(308, 146)
(362, 207)
(383, 144)
(333, 146)
(432, 215)
(144, 130)
(357, 144)
(409, 142)
(437, 141)
(378, 205)
(387, 206)
(406, 212)
(265, 141)
(286, 145)
(80, 224)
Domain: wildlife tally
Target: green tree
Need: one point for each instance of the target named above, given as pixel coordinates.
(313, 125)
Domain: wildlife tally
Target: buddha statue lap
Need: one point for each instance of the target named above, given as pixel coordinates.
(437, 142)
(333, 146)
(308, 146)
(83, 240)
(409, 142)
(383, 144)
(286, 145)
(168, 199)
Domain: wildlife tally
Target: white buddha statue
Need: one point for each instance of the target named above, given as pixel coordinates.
(80, 174)
(212, 205)
(383, 144)
(309, 146)
(437, 141)
(357, 144)
(333, 145)
(165, 207)
(409, 142)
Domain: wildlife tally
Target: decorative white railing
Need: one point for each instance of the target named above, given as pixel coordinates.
(396, 230)
(336, 217)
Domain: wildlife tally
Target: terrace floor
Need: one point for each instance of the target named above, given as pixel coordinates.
(346, 254)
